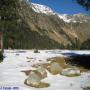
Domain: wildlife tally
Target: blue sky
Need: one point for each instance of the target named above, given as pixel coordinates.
(63, 6)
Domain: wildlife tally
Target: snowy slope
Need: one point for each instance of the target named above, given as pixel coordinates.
(42, 9)
(65, 17)
(16, 61)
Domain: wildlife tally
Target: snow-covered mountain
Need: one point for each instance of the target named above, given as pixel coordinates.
(42, 9)
(74, 18)
(67, 18)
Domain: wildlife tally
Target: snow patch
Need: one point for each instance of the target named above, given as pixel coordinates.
(42, 9)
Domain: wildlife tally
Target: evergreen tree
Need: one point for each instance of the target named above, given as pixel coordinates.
(8, 9)
(8, 16)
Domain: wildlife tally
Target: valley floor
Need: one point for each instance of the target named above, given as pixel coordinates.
(16, 61)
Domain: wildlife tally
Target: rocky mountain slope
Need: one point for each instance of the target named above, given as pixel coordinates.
(66, 30)
(41, 27)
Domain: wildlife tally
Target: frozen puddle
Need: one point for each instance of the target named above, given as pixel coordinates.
(16, 61)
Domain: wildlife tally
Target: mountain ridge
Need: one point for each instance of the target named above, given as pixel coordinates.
(32, 30)
(66, 17)
(68, 35)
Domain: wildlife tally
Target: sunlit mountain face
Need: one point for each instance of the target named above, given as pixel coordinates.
(66, 17)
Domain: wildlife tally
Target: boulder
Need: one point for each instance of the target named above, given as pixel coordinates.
(36, 51)
(33, 79)
(55, 68)
(42, 71)
(71, 72)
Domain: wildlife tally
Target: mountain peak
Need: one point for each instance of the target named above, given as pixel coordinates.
(65, 17)
(42, 9)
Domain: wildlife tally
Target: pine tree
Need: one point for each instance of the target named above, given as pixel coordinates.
(8, 9)
(8, 15)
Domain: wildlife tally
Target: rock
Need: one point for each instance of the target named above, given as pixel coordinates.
(42, 71)
(71, 72)
(33, 79)
(36, 51)
(55, 68)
